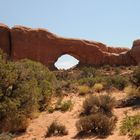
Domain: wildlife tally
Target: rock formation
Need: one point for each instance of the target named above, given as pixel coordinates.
(41, 45)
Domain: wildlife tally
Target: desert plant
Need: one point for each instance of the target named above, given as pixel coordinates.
(132, 91)
(131, 126)
(98, 87)
(66, 105)
(117, 70)
(25, 88)
(63, 105)
(83, 89)
(98, 104)
(136, 76)
(118, 82)
(6, 136)
(86, 81)
(56, 129)
(97, 124)
(107, 67)
(88, 72)
(50, 109)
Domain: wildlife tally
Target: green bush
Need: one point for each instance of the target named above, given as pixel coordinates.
(56, 129)
(136, 76)
(98, 124)
(131, 126)
(88, 72)
(62, 75)
(86, 81)
(66, 105)
(98, 104)
(25, 88)
(117, 70)
(6, 136)
(63, 105)
(107, 67)
(82, 90)
(97, 116)
(118, 82)
(98, 87)
(132, 91)
(50, 109)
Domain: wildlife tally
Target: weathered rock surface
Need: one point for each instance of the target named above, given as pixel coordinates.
(135, 51)
(43, 46)
(5, 38)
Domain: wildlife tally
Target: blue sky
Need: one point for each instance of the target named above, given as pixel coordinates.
(113, 22)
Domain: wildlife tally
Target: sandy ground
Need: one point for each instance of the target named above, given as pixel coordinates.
(38, 127)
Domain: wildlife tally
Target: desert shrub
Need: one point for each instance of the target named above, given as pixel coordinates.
(65, 87)
(25, 88)
(98, 124)
(63, 105)
(131, 126)
(83, 89)
(118, 82)
(56, 129)
(98, 104)
(66, 105)
(62, 75)
(50, 109)
(86, 81)
(6, 136)
(88, 72)
(132, 91)
(107, 67)
(136, 76)
(117, 70)
(98, 87)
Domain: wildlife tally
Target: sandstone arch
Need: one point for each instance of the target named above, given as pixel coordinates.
(41, 45)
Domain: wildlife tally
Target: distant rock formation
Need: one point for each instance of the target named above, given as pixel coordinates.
(41, 45)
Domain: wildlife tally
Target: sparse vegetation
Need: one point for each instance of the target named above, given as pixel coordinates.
(66, 105)
(97, 124)
(117, 70)
(107, 67)
(98, 87)
(83, 89)
(136, 76)
(63, 105)
(131, 126)
(86, 81)
(132, 91)
(88, 72)
(56, 129)
(26, 88)
(97, 116)
(118, 82)
(50, 109)
(98, 104)
(6, 136)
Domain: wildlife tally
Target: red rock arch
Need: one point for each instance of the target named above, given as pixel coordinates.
(41, 45)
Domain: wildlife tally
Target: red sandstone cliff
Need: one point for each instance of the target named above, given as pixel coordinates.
(41, 45)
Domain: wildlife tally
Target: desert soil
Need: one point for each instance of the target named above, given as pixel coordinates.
(38, 127)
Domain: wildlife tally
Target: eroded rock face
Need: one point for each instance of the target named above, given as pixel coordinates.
(5, 38)
(46, 47)
(135, 51)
